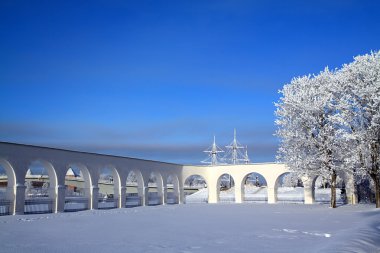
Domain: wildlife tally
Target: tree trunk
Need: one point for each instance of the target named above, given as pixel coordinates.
(375, 150)
(333, 190)
(377, 193)
(376, 180)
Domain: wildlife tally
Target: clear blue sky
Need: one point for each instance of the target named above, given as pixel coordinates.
(156, 79)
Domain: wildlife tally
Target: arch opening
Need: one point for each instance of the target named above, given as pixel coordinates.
(3, 183)
(78, 191)
(134, 189)
(7, 188)
(289, 188)
(254, 188)
(108, 184)
(155, 189)
(226, 189)
(5, 200)
(322, 190)
(40, 191)
(195, 189)
(366, 190)
(172, 186)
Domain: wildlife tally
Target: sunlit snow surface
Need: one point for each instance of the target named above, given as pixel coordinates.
(197, 228)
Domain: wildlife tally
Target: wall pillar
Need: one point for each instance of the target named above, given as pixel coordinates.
(141, 194)
(95, 196)
(351, 190)
(308, 189)
(213, 188)
(352, 196)
(160, 192)
(53, 196)
(239, 192)
(20, 198)
(181, 196)
(176, 195)
(272, 195)
(309, 195)
(122, 197)
(88, 195)
(145, 196)
(61, 194)
(213, 194)
(12, 198)
(164, 198)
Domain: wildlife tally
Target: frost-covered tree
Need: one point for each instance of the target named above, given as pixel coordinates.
(359, 105)
(309, 139)
(290, 180)
(330, 122)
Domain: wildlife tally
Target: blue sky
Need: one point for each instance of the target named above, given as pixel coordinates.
(156, 79)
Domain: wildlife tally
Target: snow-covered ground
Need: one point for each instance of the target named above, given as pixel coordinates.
(197, 228)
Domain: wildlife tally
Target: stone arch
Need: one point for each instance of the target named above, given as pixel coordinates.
(78, 188)
(134, 189)
(11, 176)
(109, 187)
(41, 187)
(322, 190)
(172, 187)
(254, 187)
(155, 189)
(117, 186)
(226, 188)
(8, 182)
(196, 189)
(288, 187)
(364, 189)
(49, 170)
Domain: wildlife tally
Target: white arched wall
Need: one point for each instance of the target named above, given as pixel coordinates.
(270, 171)
(15, 158)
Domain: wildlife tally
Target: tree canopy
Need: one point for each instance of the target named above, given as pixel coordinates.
(329, 123)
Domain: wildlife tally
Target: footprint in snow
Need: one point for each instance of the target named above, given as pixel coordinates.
(195, 247)
(293, 231)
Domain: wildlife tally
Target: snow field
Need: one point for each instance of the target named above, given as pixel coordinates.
(197, 228)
